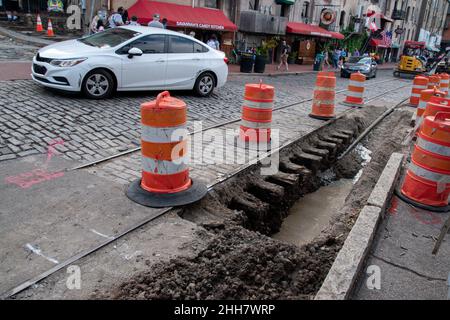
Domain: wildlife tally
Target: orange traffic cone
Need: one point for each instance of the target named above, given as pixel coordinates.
(39, 27)
(50, 29)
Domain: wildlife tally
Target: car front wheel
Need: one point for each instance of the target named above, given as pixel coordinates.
(98, 84)
(205, 84)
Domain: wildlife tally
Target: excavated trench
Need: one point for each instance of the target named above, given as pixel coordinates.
(242, 260)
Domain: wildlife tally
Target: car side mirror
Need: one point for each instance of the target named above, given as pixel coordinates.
(134, 52)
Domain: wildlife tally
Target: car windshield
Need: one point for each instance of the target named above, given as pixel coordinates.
(109, 38)
(359, 60)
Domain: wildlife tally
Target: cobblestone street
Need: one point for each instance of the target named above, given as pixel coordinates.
(33, 117)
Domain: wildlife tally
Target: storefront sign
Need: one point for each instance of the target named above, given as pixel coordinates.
(199, 25)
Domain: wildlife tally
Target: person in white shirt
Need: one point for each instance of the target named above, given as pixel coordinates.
(134, 22)
(155, 22)
(115, 19)
(213, 42)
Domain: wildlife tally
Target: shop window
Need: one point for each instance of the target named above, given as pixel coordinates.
(305, 9)
(407, 13)
(253, 5)
(180, 45)
(212, 3)
(342, 19)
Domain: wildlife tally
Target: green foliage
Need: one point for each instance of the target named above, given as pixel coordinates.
(352, 41)
(266, 45)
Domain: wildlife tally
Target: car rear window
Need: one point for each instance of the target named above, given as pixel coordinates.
(109, 38)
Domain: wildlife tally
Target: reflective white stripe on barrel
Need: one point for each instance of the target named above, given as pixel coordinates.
(258, 105)
(163, 135)
(433, 147)
(429, 175)
(324, 89)
(355, 94)
(415, 95)
(318, 101)
(356, 83)
(422, 104)
(255, 125)
(164, 166)
(419, 87)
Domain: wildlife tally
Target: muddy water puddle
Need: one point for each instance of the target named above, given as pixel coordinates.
(312, 213)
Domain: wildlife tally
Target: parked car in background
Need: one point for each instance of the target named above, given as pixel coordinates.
(130, 58)
(365, 65)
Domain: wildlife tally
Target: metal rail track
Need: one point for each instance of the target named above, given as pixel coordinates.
(231, 121)
(23, 286)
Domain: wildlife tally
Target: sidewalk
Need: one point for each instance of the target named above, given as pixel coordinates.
(403, 252)
(271, 69)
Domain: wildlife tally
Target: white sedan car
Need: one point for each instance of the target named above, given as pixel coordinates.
(130, 58)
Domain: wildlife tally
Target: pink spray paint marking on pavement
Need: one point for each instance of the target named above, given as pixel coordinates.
(27, 179)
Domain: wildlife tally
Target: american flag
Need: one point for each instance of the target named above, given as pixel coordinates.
(386, 38)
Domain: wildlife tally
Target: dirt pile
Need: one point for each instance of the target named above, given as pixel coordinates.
(244, 264)
(238, 264)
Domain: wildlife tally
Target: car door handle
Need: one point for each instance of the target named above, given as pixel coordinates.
(196, 59)
(160, 60)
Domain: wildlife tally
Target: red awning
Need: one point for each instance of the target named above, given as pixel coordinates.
(311, 30)
(378, 43)
(337, 35)
(181, 16)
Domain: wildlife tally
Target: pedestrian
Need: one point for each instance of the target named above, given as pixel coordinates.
(155, 22)
(213, 42)
(125, 16)
(356, 53)
(11, 8)
(164, 22)
(94, 22)
(285, 50)
(100, 26)
(326, 58)
(134, 22)
(115, 19)
(342, 57)
(192, 34)
(335, 57)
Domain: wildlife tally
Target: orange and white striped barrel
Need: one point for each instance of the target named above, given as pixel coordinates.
(324, 98)
(435, 105)
(164, 145)
(445, 81)
(355, 95)
(425, 97)
(427, 179)
(326, 74)
(434, 81)
(420, 83)
(257, 113)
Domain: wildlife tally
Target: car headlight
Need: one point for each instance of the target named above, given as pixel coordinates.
(67, 62)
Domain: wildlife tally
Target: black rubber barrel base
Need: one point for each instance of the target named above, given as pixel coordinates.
(161, 200)
(321, 117)
(404, 198)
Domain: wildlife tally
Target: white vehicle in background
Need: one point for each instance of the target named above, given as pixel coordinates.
(130, 58)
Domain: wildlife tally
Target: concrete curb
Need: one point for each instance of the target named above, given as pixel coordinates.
(25, 38)
(343, 273)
